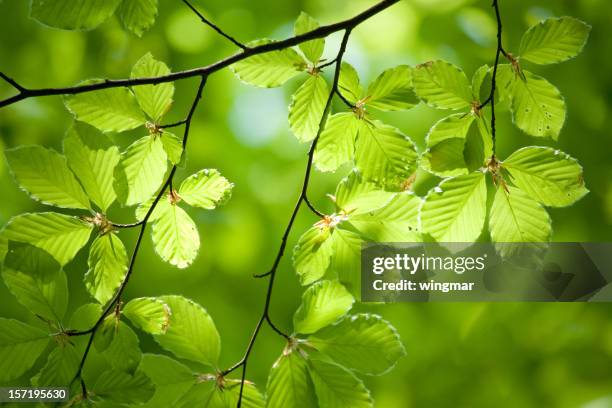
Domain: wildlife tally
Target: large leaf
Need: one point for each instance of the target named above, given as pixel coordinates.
(73, 14)
(354, 195)
(363, 342)
(175, 236)
(110, 110)
(336, 144)
(392, 90)
(322, 304)
(123, 353)
(150, 314)
(450, 127)
(191, 333)
(269, 69)
(312, 254)
(206, 189)
(289, 383)
(62, 236)
(348, 83)
(554, 40)
(141, 170)
(307, 107)
(155, 100)
(62, 363)
(312, 49)
(44, 174)
(37, 282)
(170, 377)
(549, 176)
(123, 388)
(92, 157)
(108, 264)
(455, 211)
(20, 347)
(337, 387)
(137, 15)
(442, 85)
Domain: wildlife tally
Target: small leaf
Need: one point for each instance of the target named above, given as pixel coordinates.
(110, 110)
(155, 100)
(554, 40)
(137, 15)
(170, 377)
(336, 144)
(445, 159)
(477, 80)
(348, 83)
(307, 108)
(354, 195)
(149, 314)
(62, 236)
(175, 236)
(270, 69)
(363, 342)
(289, 383)
(73, 14)
(124, 353)
(312, 49)
(173, 146)
(123, 388)
(337, 387)
(206, 189)
(108, 264)
(345, 263)
(20, 347)
(191, 333)
(322, 304)
(45, 176)
(442, 85)
(312, 255)
(62, 363)
(450, 127)
(392, 90)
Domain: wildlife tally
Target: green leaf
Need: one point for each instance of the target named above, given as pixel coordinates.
(337, 387)
(105, 335)
(442, 85)
(477, 80)
(312, 255)
(62, 236)
(336, 144)
(72, 14)
(348, 83)
(554, 40)
(62, 363)
(92, 157)
(455, 211)
(155, 100)
(270, 69)
(392, 90)
(206, 189)
(4, 245)
(191, 333)
(478, 146)
(123, 388)
(108, 264)
(124, 353)
(251, 397)
(312, 49)
(110, 110)
(354, 195)
(175, 236)
(384, 155)
(445, 159)
(289, 383)
(322, 304)
(363, 342)
(149, 314)
(137, 15)
(20, 347)
(450, 127)
(173, 146)
(141, 170)
(345, 263)
(37, 281)
(307, 107)
(207, 394)
(170, 377)
(45, 176)
(549, 176)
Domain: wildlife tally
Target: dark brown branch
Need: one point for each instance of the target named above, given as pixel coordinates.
(171, 125)
(343, 99)
(215, 27)
(11, 82)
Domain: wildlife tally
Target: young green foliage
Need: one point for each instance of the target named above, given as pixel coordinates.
(20, 347)
(108, 264)
(322, 303)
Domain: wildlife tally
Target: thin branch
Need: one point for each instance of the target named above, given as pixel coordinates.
(131, 225)
(312, 208)
(171, 125)
(12, 82)
(346, 101)
(320, 32)
(215, 27)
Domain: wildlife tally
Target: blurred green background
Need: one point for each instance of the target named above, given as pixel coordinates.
(459, 355)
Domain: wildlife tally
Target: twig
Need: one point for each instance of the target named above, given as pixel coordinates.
(12, 82)
(346, 101)
(171, 125)
(215, 27)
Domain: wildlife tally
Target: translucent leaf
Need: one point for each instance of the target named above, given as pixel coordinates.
(173, 146)
(354, 195)
(336, 144)
(137, 15)
(123, 388)
(62, 236)
(124, 353)
(106, 332)
(477, 80)
(140, 171)
(478, 146)
(108, 264)
(162, 206)
(392, 90)
(110, 110)
(3, 247)
(175, 236)
(312, 255)
(307, 106)
(251, 397)
(170, 377)
(92, 157)
(442, 85)
(149, 314)
(45, 176)
(289, 383)
(348, 83)
(206, 189)
(37, 281)
(73, 14)
(270, 69)
(322, 304)
(549, 176)
(363, 342)
(208, 395)
(312, 49)
(191, 333)
(450, 127)
(554, 40)
(445, 159)
(455, 211)
(337, 387)
(20, 347)
(62, 363)
(155, 100)
(345, 263)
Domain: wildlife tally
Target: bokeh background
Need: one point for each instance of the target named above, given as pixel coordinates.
(459, 355)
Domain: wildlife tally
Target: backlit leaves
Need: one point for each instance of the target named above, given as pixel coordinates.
(149, 314)
(392, 90)
(108, 264)
(20, 347)
(307, 108)
(155, 100)
(175, 236)
(205, 189)
(442, 85)
(137, 15)
(337, 387)
(312, 49)
(322, 304)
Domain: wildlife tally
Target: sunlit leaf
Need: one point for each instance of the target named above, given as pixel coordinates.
(355, 195)
(289, 383)
(137, 15)
(173, 146)
(348, 83)
(73, 14)
(336, 144)
(149, 314)
(322, 304)
(345, 264)
(442, 85)
(307, 106)
(392, 90)
(312, 49)
(312, 255)
(206, 189)
(337, 387)
(155, 100)
(108, 264)
(20, 347)
(175, 236)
